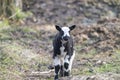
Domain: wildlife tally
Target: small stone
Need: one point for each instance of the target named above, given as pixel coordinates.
(99, 62)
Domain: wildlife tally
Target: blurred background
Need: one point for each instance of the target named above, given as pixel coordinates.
(27, 30)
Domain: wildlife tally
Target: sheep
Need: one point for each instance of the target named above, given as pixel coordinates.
(64, 52)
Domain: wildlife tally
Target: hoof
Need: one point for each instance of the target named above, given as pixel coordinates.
(66, 73)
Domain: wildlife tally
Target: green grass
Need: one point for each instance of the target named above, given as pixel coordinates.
(4, 23)
(111, 67)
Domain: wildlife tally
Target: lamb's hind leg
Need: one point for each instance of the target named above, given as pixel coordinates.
(57, 67)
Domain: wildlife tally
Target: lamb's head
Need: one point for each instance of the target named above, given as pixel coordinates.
(64, 32)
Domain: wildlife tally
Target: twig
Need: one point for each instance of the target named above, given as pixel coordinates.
(44, 72)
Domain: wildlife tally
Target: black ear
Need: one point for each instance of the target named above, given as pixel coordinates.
(72, 27)
(58, 27)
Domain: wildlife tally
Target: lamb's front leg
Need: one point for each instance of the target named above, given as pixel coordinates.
(62, 67)
(66, 65)
(71, 60)
(57, 67)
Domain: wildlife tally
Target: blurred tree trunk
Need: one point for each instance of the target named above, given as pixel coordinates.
(7, 7)
(18, 3)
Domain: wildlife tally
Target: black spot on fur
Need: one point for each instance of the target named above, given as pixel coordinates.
(66, 65)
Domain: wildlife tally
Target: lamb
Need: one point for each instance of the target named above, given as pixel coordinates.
(63, 51)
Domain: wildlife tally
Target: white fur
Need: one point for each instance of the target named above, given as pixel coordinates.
(71, 61)
(59, 60)
(67, 61)
(62, 51)
(56, 61)
(66, 31)
(62, 55)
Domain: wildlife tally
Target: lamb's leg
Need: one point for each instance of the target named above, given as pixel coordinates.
(66, 66)
(71, 61)
(62, 67)
(57, 67)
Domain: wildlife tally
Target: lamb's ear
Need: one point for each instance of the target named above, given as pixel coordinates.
(58, 27)
(72, 27)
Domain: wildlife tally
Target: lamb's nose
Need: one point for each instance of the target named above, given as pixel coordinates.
(65, 38)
